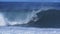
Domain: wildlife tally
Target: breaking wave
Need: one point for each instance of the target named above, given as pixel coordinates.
(19, 17)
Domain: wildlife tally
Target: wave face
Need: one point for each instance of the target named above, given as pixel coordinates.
(47, 19)
(23, 13)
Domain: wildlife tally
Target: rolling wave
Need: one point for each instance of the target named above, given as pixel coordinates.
(26, 13)
(15, 18)
(18, 17)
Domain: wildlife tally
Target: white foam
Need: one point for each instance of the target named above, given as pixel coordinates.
(2, 20)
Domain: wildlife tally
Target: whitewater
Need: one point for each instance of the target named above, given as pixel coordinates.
(27, 30)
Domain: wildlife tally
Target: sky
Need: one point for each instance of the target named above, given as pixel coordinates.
(29, 0)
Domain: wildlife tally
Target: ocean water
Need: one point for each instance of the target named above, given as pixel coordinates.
(26, 30)
(18, 13)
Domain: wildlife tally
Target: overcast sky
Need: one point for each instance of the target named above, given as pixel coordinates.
(29, 0)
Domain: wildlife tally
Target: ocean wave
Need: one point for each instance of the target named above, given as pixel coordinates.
(19, 18)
